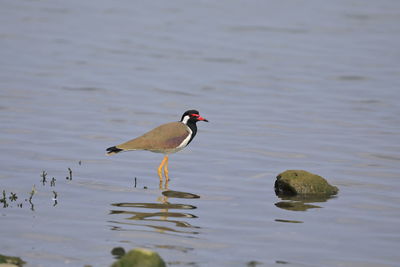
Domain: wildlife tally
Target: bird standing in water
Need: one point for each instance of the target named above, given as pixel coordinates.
(167, 138)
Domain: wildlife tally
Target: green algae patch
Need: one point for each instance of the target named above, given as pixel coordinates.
(300, 182)
(140, 258)
(11, 261)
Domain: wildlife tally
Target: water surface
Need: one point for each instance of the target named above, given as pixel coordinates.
(285, 85)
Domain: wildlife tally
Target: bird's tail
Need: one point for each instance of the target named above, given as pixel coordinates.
(113, 150)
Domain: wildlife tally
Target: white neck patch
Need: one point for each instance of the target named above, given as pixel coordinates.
(185, 119)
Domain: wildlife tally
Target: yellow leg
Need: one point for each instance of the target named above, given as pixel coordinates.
(166, 169)
(160, 168)
(166, 173)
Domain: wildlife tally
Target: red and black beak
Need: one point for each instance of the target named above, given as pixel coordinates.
(198, 117)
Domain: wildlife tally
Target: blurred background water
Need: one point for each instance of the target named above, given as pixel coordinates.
(285, 84)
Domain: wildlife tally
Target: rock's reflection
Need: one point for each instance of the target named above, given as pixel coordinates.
(301, 202)
(159, 220)
(295, 205)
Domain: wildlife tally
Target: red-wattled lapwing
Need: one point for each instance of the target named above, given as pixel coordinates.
(167, 138)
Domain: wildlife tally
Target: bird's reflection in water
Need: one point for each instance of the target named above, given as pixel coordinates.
(162, 220)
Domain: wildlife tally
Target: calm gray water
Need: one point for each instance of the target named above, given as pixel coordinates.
(310, 85)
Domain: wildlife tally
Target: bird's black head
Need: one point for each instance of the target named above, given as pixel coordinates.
(192, 116)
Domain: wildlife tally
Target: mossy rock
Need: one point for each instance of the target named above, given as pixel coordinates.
(299, 182)
(10, 261)
(118, 252)
(140, 258)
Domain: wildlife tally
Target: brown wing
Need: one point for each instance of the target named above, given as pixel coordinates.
(164, 137)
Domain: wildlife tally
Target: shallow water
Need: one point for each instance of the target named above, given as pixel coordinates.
(285, 85)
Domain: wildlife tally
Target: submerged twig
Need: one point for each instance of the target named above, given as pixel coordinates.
(55, 198)
(70, 174)
(43, 175)
(13, 197)
(4, 199)
(33, 192)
